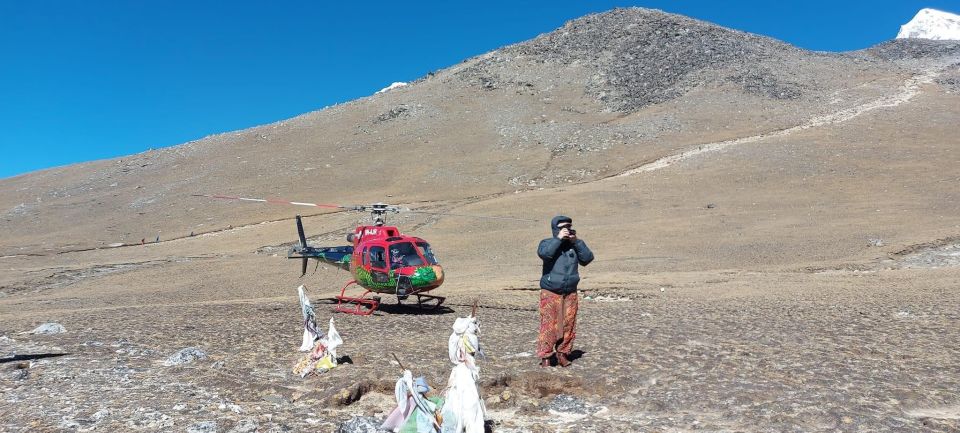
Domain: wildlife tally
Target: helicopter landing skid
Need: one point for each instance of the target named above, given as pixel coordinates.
(429, 302)
(361, 306)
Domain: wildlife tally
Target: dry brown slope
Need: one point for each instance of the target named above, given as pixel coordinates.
(811, 200)
(534, 114)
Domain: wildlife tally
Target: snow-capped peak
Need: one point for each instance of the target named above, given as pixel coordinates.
(932, 24)
(392, 86)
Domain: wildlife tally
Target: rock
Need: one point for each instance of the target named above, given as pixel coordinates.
(185, 356)
(245, 426)
(876, 242)
(360, 424)
(23, 365)
(393, 113)
(203, 427)
(765, 83)
(50, 328)
(656, 56)
(274, 398)
(69, 424)
(711, 206)
(899, 49)
(564, 403)
(144, 419)
(611, 298)
(235, 408)
(100, 415)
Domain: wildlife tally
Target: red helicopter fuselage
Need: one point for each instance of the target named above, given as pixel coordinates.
(386, 261)
(381, 260)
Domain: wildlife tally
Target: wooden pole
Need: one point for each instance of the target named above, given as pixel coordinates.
(402, 368)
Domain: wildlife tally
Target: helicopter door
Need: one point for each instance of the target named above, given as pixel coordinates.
(378, 264)
(365, 257)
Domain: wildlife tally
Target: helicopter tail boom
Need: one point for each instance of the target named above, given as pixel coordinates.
(336, 256)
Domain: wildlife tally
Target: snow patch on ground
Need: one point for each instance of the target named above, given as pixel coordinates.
(395, 85)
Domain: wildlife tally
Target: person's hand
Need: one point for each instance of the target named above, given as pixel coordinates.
(572, 237)
(564, 233)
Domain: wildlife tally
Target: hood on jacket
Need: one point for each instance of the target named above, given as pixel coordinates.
(557, 220)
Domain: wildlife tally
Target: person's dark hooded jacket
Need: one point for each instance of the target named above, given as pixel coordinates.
(561, 259)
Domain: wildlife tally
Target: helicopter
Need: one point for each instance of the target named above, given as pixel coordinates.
(380, 258)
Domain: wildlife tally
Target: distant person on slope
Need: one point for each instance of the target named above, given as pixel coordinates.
(562, 254)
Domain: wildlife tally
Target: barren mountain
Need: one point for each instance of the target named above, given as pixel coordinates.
(800, 210)
(601, 95)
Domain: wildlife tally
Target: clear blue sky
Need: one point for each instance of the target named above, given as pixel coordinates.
(85, 80)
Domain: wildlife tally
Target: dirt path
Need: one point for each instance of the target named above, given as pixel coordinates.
(908, 90)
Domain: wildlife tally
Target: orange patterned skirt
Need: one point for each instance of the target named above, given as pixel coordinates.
(558, 323)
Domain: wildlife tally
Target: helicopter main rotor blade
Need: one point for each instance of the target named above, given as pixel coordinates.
(377, 208)
(273, 201)
(470, 216)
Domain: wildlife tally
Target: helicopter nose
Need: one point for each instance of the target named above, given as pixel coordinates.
(438, 270)
(424, 276)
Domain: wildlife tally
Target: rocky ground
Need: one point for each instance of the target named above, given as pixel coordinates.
(728, 351)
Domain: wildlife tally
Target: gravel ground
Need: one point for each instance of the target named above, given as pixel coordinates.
(821, 353)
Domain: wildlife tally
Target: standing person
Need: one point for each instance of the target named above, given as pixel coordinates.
(562, 254)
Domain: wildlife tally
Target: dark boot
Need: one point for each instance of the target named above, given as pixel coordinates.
(562, 360)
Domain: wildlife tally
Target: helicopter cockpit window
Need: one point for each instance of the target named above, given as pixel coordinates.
(427, 252)
(404, 254)
(377, 259)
